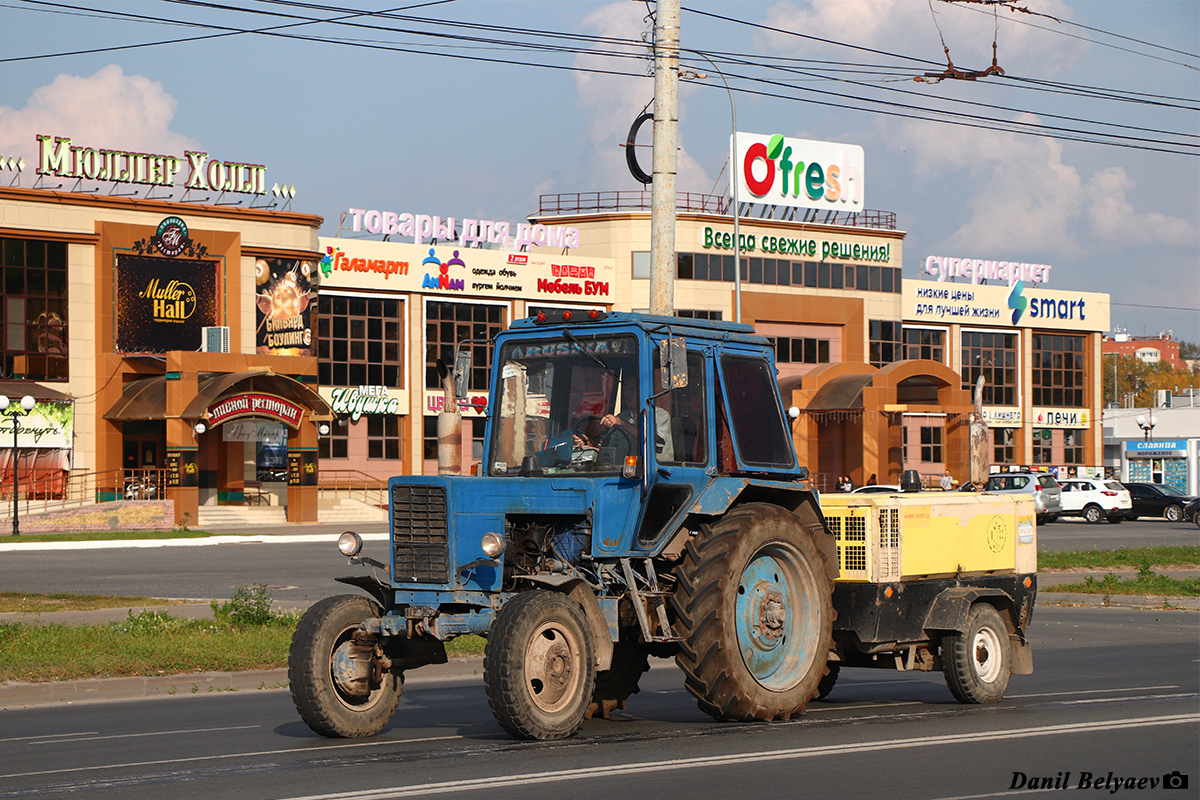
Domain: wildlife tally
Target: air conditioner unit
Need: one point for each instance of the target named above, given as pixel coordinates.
(214, 339)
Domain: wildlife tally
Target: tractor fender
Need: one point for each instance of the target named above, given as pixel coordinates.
(724, 494)
(371, 586)
(949, 613)
(602, 620)
(949, 610)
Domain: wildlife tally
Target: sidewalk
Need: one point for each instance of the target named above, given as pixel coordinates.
(262, 534)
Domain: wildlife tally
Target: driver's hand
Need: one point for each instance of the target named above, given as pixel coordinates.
(610, 421)
(581, 443)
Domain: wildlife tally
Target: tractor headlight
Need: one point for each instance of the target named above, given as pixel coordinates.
(350, 544)
(492, 545)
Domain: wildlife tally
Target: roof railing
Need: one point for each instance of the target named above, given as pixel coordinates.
(616, 202)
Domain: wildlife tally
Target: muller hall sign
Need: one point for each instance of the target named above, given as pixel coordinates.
(61, 157)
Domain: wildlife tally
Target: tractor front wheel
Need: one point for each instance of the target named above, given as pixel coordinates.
(539, 668)
(337, 685)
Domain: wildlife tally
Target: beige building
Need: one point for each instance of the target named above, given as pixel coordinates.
(161, 342)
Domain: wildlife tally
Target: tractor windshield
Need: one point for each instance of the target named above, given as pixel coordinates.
(570, 404)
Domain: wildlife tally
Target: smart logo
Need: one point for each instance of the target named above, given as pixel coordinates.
(1016, 302)
(799, 172)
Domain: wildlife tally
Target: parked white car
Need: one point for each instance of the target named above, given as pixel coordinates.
(1095, 499)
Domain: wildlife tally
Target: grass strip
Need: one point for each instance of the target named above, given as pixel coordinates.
(155, 643)
(1149, 585)
(1127, 558)
(145, 644)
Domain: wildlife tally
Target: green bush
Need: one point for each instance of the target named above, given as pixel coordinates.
(251, 605)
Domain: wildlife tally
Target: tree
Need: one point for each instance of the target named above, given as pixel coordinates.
(1136, 381)
(1188, 350)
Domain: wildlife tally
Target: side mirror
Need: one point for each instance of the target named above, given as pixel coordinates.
(673, 357)
(462, 372)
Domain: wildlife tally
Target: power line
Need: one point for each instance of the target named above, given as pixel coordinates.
(1009, 125)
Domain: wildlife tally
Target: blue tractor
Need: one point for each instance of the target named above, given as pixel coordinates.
(638, 496)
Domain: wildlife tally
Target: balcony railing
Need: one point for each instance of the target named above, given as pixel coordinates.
(550, 205)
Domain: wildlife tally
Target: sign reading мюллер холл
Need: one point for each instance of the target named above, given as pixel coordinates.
(61, 157)
(1015, 302)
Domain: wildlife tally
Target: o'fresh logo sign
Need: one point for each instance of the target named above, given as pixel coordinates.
(799, 172)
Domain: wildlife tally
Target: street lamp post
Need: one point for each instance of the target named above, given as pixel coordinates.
(27, 404)
(733, 188)
(1147, 425)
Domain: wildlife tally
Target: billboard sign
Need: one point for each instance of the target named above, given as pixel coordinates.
(285, 289)
(162, 303)
(777, 170)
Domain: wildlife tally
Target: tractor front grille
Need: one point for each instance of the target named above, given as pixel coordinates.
(420, 534)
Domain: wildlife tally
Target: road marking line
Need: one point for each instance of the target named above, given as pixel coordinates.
(49, 736)
(1093, 691)
(289, 751)
(97, 737)
(592, 773)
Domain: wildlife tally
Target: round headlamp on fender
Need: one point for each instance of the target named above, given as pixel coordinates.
(493, 545)
(350, 544)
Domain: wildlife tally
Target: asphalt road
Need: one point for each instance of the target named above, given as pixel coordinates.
(1069, 533)
(1114, 691)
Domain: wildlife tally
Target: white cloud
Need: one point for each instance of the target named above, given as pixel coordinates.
(612, 102)
(1112, 217)
(108, 109)
(1021, 197)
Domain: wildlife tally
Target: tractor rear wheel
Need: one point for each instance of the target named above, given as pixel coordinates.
(754, 605)
(539, 667)
(323, 660)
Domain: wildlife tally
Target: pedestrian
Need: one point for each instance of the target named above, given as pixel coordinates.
(947, 482)
(871, 481)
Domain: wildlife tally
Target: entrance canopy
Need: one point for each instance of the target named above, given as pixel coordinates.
(146, 398)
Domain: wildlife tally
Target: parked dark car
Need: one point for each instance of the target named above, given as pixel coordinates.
(1157, 500)
(1192, 512)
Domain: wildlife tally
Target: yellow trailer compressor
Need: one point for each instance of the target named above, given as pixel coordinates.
(932, 581)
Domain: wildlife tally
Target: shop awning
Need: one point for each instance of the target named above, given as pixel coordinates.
(260, 380)
(15, 390)
(146, 398)
(843, 393)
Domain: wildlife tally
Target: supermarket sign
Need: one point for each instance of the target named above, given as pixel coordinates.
(1016, 306)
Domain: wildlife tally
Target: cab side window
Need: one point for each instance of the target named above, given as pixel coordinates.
(687, 411)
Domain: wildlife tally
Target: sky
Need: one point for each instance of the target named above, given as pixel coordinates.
(441, 116)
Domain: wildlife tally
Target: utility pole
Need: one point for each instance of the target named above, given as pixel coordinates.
(666, 134)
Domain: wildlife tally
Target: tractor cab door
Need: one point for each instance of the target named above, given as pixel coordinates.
(682, 453)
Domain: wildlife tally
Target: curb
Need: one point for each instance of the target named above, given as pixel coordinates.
(107, 690)
(1118, 601)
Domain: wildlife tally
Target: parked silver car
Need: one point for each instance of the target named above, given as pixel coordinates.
(1047, 496)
